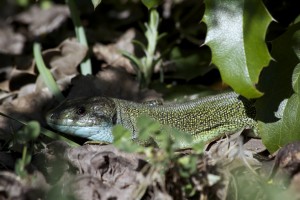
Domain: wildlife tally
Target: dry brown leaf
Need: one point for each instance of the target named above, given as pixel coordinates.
(10, 42)
(31, 187)
(43, 21)
(111, 53)
(64, 59)
(255, 145)
(63, 62)
(29, 107)
(4, 85)
(20, 78)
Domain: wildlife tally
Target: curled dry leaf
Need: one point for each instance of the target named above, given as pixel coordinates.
(12, 187)
(255, 145)
(29, 107)
(63, 61)
(51, 161)
(42, 21)
(17, 73)
(111, 53)
(10, 41)
(97, 170)
(287, 161)
(113, 174)
(21, 78)
(88, 187)
(30, 102)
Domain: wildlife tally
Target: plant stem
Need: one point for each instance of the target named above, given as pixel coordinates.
(85, 66)
(152, 35)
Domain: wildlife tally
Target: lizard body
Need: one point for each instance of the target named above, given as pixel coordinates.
(206, 119)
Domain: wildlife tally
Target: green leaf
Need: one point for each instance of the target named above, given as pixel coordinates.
(147, 127)
(235, 33)
(275, 135)
(295, 78)
(30, 132)
(139, 44)
(96, 3)
(275, 80)
(45, 72)
(179, 138)
(85, 66)
(151, 3)
(136, 62)
(123, 140)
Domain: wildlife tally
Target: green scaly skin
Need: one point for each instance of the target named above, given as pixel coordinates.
(206, 119)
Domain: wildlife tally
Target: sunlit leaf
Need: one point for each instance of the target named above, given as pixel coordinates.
(236, 32)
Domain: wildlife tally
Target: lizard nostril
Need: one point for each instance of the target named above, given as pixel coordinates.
(80, 110)
(50, 117)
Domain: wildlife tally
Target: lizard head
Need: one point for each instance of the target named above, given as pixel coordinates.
(90, 118)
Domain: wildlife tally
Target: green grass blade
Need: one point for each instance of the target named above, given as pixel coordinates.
(45, 72)
(85, 66)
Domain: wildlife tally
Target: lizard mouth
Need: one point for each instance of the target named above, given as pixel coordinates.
(97, 133)
(57, 120)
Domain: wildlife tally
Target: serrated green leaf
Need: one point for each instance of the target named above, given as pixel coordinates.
(275, 135)
(295, 79)
(235, 33)
(151, 3)
(296, 43)
(96, 3)
(275, 80)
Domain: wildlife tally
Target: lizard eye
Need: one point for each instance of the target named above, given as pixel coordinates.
(80, 110)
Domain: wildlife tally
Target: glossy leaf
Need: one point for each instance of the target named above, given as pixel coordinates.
(235, 33)
(287, 129)
(275, 80)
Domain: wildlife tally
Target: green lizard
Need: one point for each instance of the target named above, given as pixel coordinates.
(206, 119)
